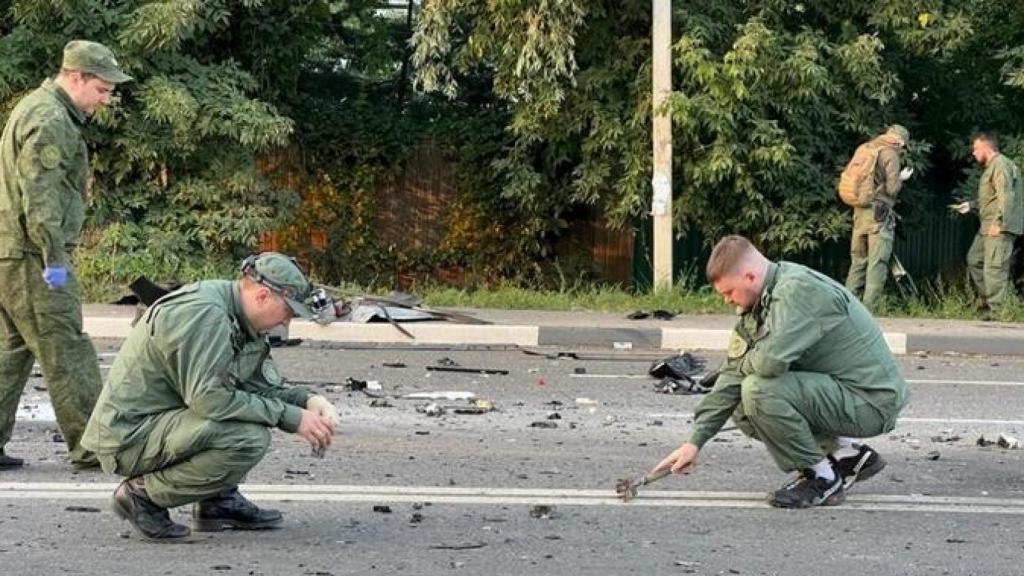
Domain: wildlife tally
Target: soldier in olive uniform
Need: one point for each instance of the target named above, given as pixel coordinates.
(1000, 207)
(807, 372)
(43, 167)
(190, 400)
(874, 226)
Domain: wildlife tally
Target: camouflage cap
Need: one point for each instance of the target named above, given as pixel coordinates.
(900, 131)
(93, 58)
(282, 275)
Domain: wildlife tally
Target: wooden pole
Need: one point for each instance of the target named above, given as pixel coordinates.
(661, 205)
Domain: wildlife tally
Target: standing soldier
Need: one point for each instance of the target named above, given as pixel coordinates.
(1000, 207)
(875, 170)
(43, 167)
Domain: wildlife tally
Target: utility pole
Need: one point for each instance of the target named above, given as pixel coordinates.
(661, 204)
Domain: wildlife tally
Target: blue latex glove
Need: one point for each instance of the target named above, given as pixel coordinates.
(56, 277)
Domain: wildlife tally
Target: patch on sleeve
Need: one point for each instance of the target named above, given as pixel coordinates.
(49, 156)
(270, 373)
(737, 346)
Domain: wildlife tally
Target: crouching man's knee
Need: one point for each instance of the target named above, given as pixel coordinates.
(243, 445)
(761, 396)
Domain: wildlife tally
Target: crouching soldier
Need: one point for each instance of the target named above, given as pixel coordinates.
(808, 371)
(192, 396)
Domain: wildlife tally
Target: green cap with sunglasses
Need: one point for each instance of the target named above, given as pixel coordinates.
(282, 275)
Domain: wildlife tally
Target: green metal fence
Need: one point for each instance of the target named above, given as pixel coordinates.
(935, 245)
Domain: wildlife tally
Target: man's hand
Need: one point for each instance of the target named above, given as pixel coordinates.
(315, 429)
(906, 173)
(681, 461)
(323, 407)
(963, 207)
(994, 230)
(56, 277)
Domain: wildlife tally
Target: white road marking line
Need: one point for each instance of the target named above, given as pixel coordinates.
(519, 496)
(962, 421)
(969, 382)
(982, 421)
(909, 381)
(40, 410)
(615, 376)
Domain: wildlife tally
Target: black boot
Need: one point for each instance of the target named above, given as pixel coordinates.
(10, 462)
(231, 510)
(131, 503)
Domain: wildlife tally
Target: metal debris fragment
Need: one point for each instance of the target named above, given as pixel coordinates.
(466, 370)
(684, 386)
(460, 546)
(542, 511)
(626, 488)
(432, 409)
(1008, 442)
(678, 366)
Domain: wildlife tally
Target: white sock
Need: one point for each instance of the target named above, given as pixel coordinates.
(824, 470)
(845, 447)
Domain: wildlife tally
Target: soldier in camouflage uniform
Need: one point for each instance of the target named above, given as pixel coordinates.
(807, 372)
(1000, 207)
(43, 167)
(193, 394)
(874, 226)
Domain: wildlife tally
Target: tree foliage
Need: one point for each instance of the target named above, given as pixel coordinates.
(770, 99)
(175, 170)
(544, 105)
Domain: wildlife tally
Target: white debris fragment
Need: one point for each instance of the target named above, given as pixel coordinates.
(454, 396)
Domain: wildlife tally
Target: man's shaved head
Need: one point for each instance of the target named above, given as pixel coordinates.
(726, 257)
(737, 271)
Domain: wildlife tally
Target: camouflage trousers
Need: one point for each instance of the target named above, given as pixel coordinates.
(37, 323)
(799, 415)
(870, 251)
(186, 458)
(988, 263)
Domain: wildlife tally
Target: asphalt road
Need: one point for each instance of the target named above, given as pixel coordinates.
(463, 490)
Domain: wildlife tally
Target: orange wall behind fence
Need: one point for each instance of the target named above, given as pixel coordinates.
(414, 213)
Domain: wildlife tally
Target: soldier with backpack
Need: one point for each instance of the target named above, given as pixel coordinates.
(869, 184)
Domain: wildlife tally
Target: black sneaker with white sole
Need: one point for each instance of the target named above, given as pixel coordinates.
(809, 490)
(795, 481)
(865, 464)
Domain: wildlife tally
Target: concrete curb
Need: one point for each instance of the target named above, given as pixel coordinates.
(566, 336)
